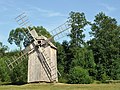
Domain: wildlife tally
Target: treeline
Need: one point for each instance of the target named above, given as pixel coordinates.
(95, 59)
(79, 61)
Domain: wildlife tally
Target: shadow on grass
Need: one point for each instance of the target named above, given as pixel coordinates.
(16, 83)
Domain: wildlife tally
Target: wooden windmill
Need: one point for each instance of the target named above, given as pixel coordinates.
(42, 57)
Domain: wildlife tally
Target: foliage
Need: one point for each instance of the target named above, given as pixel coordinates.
(21, 36)
(106, 46)
(79, 75)
(4, 72)
(19, 74)
(77, 22)
(68, 58)
(42, 31)
(61, 57)
(3, 48)
(17, 36)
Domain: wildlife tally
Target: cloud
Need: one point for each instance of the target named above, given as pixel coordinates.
(108, 7)
(52, 14)
(47, 13)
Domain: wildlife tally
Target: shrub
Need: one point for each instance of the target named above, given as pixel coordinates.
(4, 71)
(19, 73)
(79, 75)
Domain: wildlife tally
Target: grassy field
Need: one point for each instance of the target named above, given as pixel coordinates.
(59, 86)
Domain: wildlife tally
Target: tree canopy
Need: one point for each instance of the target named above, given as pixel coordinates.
(106, 46)
(3, 48)
(21, 36)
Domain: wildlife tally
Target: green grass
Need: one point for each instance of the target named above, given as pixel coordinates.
(60, 86)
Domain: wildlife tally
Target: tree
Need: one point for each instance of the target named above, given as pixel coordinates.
(61, 57)
(3, 48)
(84, 58)
(42, 31)
(21, 36)
(77, 22)
(79, 55)
(17, 36)
(4, 72)
(68, 58)
(18, 74)
(106, 46)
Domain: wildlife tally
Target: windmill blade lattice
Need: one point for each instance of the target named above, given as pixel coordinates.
(22, 20)
(61, 31)
(15, 60)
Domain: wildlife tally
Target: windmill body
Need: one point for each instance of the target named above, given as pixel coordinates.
(42, 61)
(41, 53)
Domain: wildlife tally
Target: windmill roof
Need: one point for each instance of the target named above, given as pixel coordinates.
(44, 38)
(41, 37)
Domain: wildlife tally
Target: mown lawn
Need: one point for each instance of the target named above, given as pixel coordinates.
(60, 86)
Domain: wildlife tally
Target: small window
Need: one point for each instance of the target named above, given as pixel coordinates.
(39, 42)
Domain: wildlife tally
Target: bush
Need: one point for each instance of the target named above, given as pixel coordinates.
(79, 75)
(62, 79)
(19, 73)
(4, 71)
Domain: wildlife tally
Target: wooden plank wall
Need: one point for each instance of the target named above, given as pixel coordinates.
(36, 72)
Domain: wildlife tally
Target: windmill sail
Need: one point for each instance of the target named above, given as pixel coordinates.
(59, 32)
(15, 60)
(23, 21)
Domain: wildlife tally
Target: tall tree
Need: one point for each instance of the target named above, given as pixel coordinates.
(79, 55)
(106, 46)
(77, 22)
(68, 56)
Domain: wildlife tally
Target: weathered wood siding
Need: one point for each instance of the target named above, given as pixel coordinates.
(36, 72)
(54, 64)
